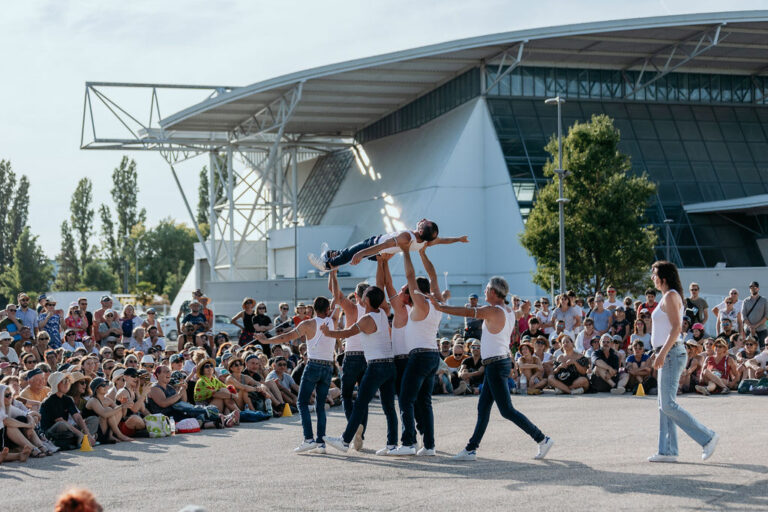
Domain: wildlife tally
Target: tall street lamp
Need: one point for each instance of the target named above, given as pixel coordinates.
(561, 173)
(668, 229)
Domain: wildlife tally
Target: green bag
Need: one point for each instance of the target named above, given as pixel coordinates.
(158, 425)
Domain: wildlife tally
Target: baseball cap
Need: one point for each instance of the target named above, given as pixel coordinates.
(42, 296)
(473, 296)
(147, 359)
(250, 356)
(698, 326)
(175, 358)
(34, 372)
(97, 383)
(198, 292)
(131, 372)
(5, 335)
(105, 298)
(754, 283)
(29, 343)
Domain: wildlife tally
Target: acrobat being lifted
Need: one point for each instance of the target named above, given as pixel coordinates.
(425, 234)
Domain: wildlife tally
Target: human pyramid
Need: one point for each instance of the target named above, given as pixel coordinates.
(401, 360)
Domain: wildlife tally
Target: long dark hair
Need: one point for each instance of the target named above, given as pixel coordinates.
(667, 271)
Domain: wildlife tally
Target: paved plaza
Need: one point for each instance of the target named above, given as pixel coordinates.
(598, 463)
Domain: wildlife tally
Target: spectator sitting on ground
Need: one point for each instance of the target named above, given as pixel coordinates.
(117, 380)
(209, 390)
(605, 369)
(281, 376)
(107, 411)
(736, 344)
(36, 391)
(584, 338)
(621, 327)
(718, 371)
(743, 356)
(533, 328)
(55, 412)
(153, 336)
(457, 355)
(559, 329)
(569, 374)
(530, 367)
(134, 410)
(18, 429)
(726, 329)
(445, 348)
(616, 342)
(243, 384)
(698, 332)
(639, 369)
(541, 350)
(689, 379)
(472, 371)
(255, 369)
(757, 364)
(641, 334)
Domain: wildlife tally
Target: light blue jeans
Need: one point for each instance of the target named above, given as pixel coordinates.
(671, 415)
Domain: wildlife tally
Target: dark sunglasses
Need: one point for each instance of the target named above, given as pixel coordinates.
(109, 368)
(147, 365)
(8, 395)
(209, 365)
(236, 364)
(282, 364)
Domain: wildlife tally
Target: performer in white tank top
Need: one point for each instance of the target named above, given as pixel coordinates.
(379, 374)
(498, 323)
(318, 372)
(670, 362)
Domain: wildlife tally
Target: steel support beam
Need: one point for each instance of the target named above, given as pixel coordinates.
(515, 55)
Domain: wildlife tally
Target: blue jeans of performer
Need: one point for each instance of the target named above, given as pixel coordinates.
(352, 372)
(416, 397)
(316, 377)
(671, 415)
(496, 389)
(344, 256)
(379, 376)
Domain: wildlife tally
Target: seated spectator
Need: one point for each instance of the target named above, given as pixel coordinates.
(255, 369)
(594, 346)
(605, 369)
(281, 376)
(36, 391)
(685, 332)
(19, 428)
(533, 329)
(698, 332)
(137, 342)
(79, 390)
(55, 412)
(570, 370)
(167, 396)
(736, 344)
(134, 410)
(443, 378)
(641, 334)
(726, 329)
(620, 327)
(530, 366)
(689, 379)
(718, 374)
(756, 365)
(541, 350)
(584, 338)
(445, 348)
(616, 342)
(5, 348)
(209, 390)
(117, 381)
(559, 329)
(472, 371)
(456, 356)
(244, 385)
(743, 356)
(107, 411)
(638, 367)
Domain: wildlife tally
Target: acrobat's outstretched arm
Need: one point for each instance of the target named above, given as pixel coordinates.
(434, 284)
(449, 240)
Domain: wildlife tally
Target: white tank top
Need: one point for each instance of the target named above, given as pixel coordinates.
(493, 345)
(414, 245)
(660, 324)
(354, 343)
(379, 344)
(321, 346)
(423, 333)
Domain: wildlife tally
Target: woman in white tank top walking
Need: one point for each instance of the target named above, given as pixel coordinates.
(670, 362)
(497, 360)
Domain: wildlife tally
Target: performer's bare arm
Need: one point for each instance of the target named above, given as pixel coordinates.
(350, 311)
(420, 306)
(434, 283)
(300, 330)
(366, 325)
(449, 240)
(492, 315)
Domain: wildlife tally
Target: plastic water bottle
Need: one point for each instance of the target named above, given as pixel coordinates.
(523, 385)
(268, 406)
(173, 425)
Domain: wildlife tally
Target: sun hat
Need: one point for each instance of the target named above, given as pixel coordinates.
(55, 379)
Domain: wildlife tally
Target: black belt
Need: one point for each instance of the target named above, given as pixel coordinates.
(355, 353)
(493, 359)
(658, 349)
(383, 360)
(401, 356)
(322, 362)
(423, 350)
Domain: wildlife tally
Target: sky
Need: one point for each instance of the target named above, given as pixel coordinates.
(51, 48)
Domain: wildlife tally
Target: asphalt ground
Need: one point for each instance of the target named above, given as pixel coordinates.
(598, 463)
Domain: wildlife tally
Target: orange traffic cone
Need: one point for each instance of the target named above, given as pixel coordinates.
(287, 411)
(640, 391)
(86, 446)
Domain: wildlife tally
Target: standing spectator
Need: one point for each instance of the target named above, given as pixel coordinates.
(545, 317)
(98, 317)
(612, 301)
(601, 316)
(733, 294)
(76, 321)
(473, 326)
(649, 305)
(128, 323)
(152, 321)
(196, 318)
(621, 326)
(206, 311)
(754, 312)
(629, 310)
(108, 328)
(248, 328)
(82, 303)
(11, 323)
(262, 323)
(26, 315)
(641, 334)
(730, 314)
(52, 322)
(283, 322)
(695, 306)
(185, 308)
(566, 313)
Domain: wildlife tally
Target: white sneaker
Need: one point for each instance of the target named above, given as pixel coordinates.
(656, 457)
(709, 448)
(577, 391)
(386, 450)
(426, 452)
(544, 447)
(403, 450)
(316, 262)
(51, 447)
(465, 455)
(320, 449)
(558, 391)
(618, 390)
(357, 441)
(305, 446)
(336, 442)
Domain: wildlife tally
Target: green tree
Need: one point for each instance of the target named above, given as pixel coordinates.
(174, 280)
(81, 219)
(145, 293)
(203, 204)
(30, 272)
(14, 211)
(97, 275)
(606, 239)
(165, 249)
(116, 246)
(68, 275)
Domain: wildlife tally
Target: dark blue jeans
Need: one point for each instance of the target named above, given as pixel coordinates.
(496, 389)
(416, 397)
(316, 377)
(352, 372)
(344, 256)
(379, 376)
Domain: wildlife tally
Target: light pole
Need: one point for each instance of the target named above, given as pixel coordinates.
(668, 228)
(561, 173)
(125, 263)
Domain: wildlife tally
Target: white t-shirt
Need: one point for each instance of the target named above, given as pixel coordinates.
(555, 334)
(69, 348)
(645, 338)
(12, 356)
(544, 318)
(737, 306)
(761, 358)
(581, 345)
(608, 304)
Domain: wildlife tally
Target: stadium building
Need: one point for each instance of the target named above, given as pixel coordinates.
(456, 132)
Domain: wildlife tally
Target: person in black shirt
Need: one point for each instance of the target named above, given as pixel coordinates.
(605, 370)
(533, 330)
(472, 370)
(196, 317)
(55, 412)
(473, 327)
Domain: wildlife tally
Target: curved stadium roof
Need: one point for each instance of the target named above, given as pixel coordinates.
(341, 99)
